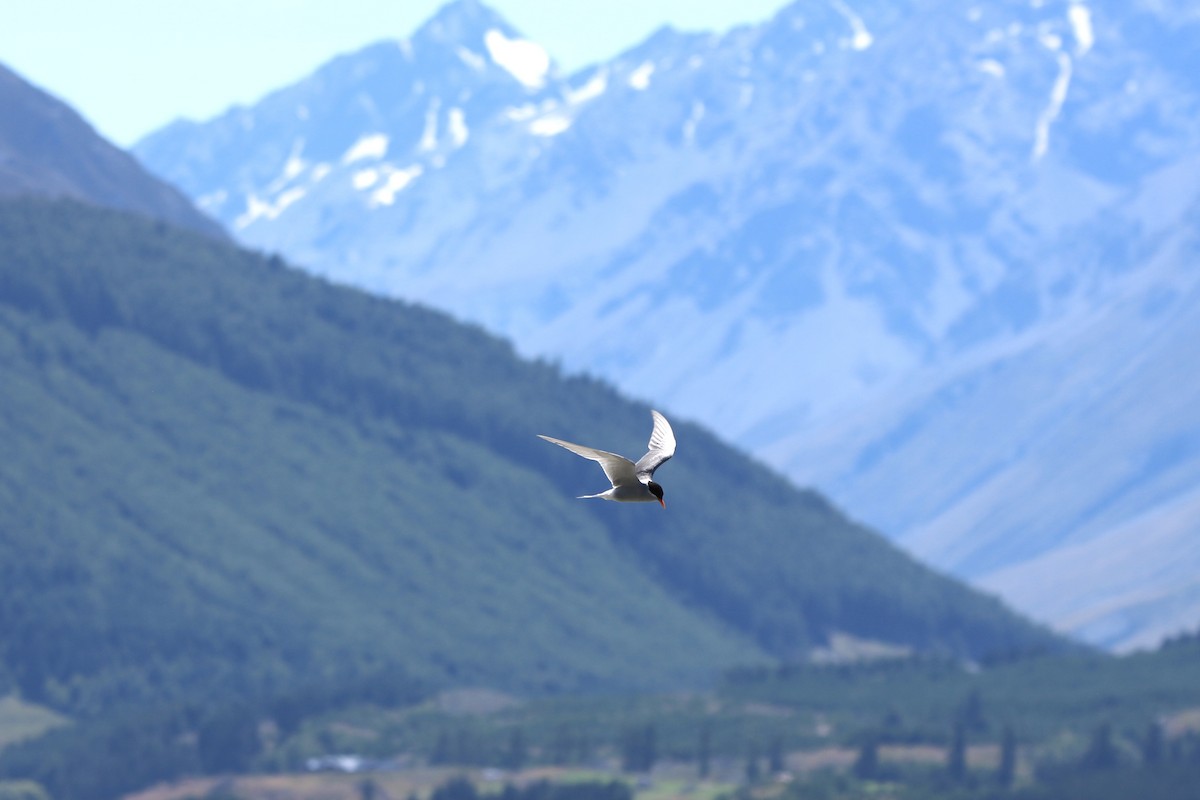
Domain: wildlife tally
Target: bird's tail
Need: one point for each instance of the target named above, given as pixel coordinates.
(589, 496)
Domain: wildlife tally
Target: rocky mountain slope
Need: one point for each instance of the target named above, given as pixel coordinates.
(48, 150)
(937, 260)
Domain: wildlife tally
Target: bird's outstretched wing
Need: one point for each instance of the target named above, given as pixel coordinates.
(661, 447)
(619, 470)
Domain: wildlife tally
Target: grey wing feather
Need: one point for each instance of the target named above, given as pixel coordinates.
(619, 470)
(661, 447)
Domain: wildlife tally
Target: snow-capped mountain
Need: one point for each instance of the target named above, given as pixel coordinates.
(940, 260)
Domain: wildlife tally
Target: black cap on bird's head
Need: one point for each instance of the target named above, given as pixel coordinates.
(657, 491)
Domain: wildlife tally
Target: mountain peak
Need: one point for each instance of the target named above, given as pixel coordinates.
(478, 33)
(464, 22)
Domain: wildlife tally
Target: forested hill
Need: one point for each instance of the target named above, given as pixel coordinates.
(220, 474)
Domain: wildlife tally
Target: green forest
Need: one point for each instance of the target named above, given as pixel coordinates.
(1065, 725)
(247, 516)
(222, 475)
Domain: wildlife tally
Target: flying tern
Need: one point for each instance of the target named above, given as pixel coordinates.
(631, 483)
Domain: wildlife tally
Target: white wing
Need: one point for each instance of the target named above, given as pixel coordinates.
(619, 470)
(661, 447)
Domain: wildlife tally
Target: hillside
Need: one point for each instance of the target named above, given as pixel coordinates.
(220, 474)
(48, 150)
(925, 257)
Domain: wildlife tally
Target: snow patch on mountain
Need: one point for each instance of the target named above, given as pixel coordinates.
(526, 61)
(370, 146)
(429, 134)
(991, 66)
(522, 112)
(639, 78)
(694, 118)
(551, 124)
(471, 59)
(365, 179)
(1081, 25)
(593, 88)
(395, 181)
(457, 127)
(212, 202)
(293, 167)
(258, 208)
(1058, 96)
(861, 38)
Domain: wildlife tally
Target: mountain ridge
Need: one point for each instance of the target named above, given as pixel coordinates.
(210, 453)
(46, 148)
(831, 260)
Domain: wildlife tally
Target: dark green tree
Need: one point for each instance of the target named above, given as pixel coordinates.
(970, 713)
(704, 751)
(639, 748)
(1190, 747)
(1153, 744)
(1006, 772)
(228, 741)
(441, 750)
(1101, 752)
(956, 756)
(516, 753)
(465, 748)
(582, 746)
(562, 746)
(893, 723)
(753, 773)
(866, 766)
(457, 788)
(288, 712)
(775, 759)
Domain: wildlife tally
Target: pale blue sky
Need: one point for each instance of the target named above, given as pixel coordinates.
(130, 66)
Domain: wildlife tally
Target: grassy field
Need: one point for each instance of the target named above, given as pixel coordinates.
(421, 782)
(417, 782)
(668, 781)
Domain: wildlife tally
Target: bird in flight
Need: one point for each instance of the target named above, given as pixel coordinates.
(631, 483)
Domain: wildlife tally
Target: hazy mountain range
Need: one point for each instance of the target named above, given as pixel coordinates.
(234, 497)
(223, 476)
(939, 260)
